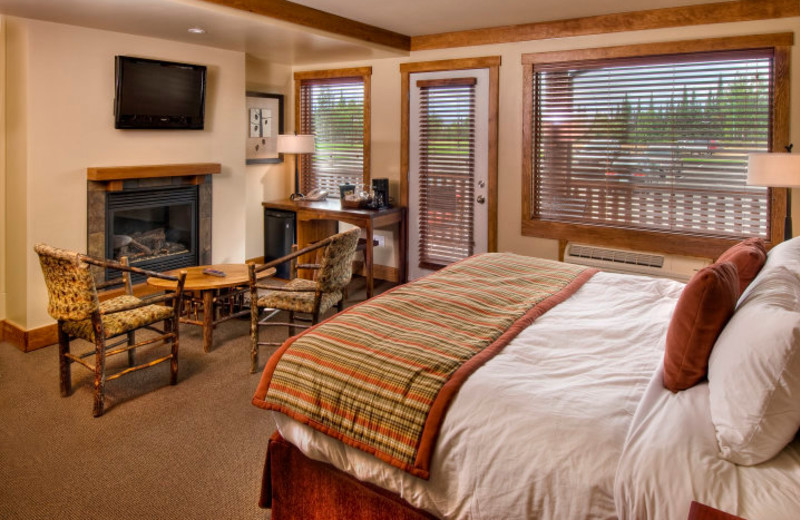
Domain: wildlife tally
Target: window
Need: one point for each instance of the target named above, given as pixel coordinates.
(334, 105)
(651, 150)
(446, 170)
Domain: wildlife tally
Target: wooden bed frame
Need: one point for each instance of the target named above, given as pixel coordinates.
(298, 488)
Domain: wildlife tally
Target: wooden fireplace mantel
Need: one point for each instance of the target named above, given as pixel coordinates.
(113, 174)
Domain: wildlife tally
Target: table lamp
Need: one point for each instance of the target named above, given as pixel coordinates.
(295, 145)
(776, 170)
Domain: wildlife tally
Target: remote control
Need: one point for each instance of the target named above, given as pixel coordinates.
(214, 272)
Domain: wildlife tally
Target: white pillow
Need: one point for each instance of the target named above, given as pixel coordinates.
(754, 368)
(786, 254)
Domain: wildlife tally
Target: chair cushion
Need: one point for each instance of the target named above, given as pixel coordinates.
(121, 322)
(70, 286)
(298, 301)
(336, 267)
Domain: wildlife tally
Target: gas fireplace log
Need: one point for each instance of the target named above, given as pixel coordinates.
(121, 241)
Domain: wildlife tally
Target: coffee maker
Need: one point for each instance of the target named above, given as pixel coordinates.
(380, 193)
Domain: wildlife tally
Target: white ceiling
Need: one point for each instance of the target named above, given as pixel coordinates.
(282, 42)
(419, 17)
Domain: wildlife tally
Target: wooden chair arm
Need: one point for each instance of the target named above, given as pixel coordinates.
(308, 266)
(295, 254)
(118, 266)
(285, 289)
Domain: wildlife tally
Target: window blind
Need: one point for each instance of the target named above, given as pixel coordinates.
(655, 143)
(333, 110)
(446, 170)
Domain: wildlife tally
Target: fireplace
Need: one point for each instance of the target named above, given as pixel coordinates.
(159, 217)
(156, 229)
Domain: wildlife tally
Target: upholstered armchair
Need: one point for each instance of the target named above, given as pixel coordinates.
(311, 298)
(74, 303)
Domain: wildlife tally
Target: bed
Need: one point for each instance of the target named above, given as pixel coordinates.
(569, 417)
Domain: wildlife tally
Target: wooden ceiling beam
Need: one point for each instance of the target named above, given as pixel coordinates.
(717, 12)
(321, 20)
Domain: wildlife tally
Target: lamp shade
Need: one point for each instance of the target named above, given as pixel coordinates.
(290, 143)
(779, 170)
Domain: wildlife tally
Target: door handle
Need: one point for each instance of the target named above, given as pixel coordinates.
(480, 199)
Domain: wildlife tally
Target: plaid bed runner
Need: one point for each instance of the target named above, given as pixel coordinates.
(380, 375)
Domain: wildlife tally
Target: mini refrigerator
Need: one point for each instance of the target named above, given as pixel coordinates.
(279, 235)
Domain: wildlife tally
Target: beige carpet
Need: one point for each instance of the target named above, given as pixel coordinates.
(190, 451)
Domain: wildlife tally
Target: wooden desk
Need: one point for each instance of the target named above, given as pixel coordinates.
(220, 297)
(317, 220)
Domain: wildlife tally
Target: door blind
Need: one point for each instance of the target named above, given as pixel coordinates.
(656, 143)
(333, 110)
(446, 170)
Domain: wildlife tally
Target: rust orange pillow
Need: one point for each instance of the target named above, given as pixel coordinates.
(703, 309)
(748, 256)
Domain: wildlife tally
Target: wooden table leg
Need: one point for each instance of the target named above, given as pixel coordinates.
(403, 240)
(368, 260)
(208, 319)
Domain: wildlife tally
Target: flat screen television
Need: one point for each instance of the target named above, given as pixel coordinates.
(154, 94)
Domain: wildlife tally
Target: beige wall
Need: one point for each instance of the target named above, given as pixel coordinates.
(266, 181)
(386, 109)
(2, 167)
(60, 121)
(16, 164)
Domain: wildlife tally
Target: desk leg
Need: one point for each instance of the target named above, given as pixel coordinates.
(208, 319)
(368, 260)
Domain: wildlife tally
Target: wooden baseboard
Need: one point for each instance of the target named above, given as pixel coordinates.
(29, 340)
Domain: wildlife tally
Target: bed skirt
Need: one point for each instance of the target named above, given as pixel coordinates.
(298, 488)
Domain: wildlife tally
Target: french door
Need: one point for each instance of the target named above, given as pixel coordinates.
(448, 168)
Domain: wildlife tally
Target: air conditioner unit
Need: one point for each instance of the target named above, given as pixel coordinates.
(679, 268)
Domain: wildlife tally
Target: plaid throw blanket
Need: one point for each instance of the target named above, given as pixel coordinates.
(380, 375)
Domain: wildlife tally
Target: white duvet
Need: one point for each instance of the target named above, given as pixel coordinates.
(670, 458)
(540, 430)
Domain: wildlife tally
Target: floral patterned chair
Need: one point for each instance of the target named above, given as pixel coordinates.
(73, 302)
(333, 271)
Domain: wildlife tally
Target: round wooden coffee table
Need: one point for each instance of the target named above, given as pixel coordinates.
(218, 296)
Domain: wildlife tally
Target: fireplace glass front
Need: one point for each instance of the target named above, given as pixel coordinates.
(155, 228)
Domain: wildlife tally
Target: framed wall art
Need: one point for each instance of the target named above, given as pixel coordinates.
(265, 122)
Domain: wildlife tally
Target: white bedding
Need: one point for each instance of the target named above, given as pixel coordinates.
(671, 458)
(577, 374)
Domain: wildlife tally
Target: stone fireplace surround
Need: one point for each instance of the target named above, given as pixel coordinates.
(102, 180)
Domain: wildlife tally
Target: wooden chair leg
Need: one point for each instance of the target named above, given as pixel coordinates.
(292, 330)
(253, 338)
(131, 352)
(65, 378)
(171, 325)
(99, 365)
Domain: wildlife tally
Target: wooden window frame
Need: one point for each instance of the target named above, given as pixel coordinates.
(488, 62)
(365, 73)
(661, 242)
